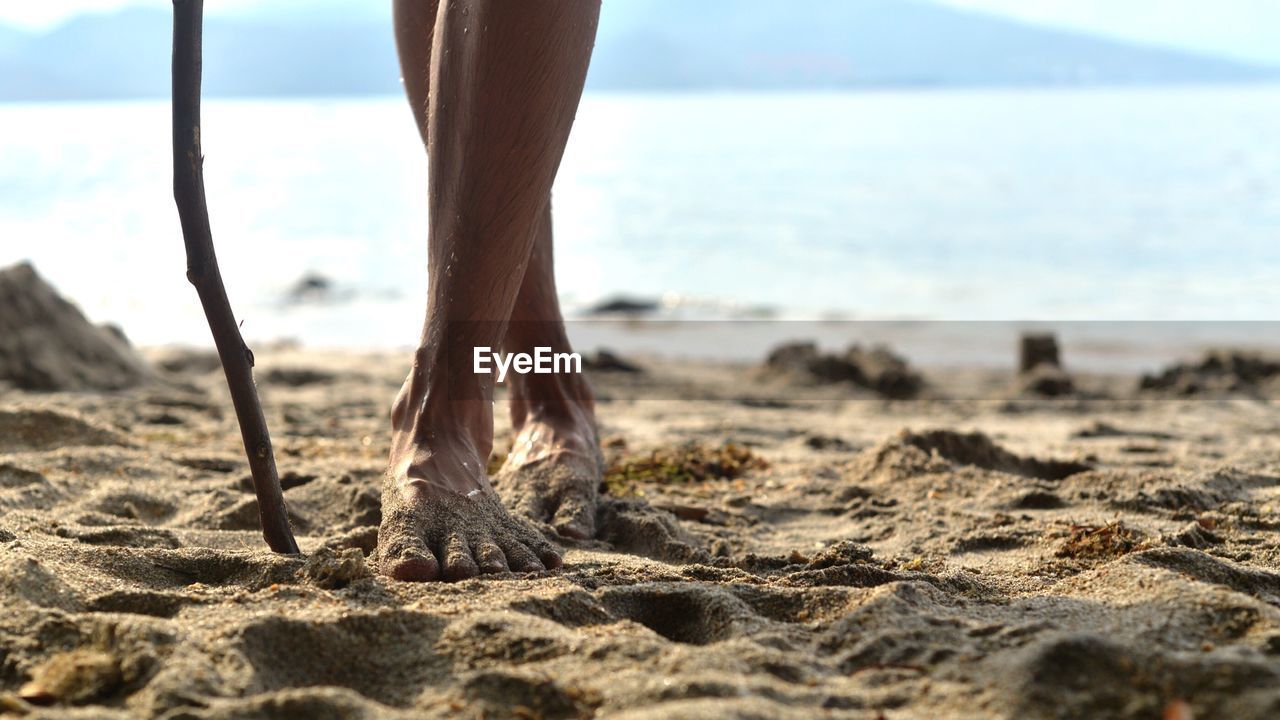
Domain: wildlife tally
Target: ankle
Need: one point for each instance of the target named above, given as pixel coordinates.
(439, 442)
(452, 404)
(434, 459)
(564, 401)
(552, 429)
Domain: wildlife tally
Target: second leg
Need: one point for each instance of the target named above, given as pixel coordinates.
(554, 470)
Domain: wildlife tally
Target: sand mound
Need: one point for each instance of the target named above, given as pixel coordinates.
(1045, 381)
(912, 453)
(635, 526)
(296, 377)
(23, 489)
(1157, 492)
(37, 429)
(1220, 372)
(877, 369)
(186, 361)
(980, 451)
(46, 344)
(1087, 675)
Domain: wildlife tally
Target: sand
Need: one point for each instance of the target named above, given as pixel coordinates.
(47, 344)
(968, 554)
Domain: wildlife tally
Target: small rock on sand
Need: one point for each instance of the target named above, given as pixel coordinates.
(1039, 349)
(332, 570)
(73, 678)
(315, 289)
(624, 306)
(47, 345)
(1040, 367)
(607, 361)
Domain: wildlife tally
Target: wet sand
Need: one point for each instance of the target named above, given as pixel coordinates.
(968, 554)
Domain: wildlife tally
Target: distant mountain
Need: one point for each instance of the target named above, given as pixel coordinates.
(649, 44)
(307, 11)
(337, 49)
(127, 55)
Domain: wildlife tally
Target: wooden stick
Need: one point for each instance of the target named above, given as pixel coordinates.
(202, 271)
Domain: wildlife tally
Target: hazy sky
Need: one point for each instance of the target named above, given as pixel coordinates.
(1244, 28)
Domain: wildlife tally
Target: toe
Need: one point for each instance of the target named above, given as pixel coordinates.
(402, 554)
(411, 564)
(575, 518)
(533, 542)
(551, 559)
(543, 550)
(490, 558)
(521, 558)
(458, 562)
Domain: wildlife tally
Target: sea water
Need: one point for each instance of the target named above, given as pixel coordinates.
(1081, 204)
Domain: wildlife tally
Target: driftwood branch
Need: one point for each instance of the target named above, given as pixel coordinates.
(202, 271)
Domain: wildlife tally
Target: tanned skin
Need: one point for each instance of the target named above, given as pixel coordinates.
(494, 86)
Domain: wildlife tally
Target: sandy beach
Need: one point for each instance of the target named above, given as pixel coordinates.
(930, 363)
(768, 550)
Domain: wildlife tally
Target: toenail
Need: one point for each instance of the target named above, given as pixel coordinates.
(413, 566)
(573, 530)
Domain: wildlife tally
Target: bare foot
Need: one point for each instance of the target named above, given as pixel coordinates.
(441, 519)
(553, 476)
(430, 534)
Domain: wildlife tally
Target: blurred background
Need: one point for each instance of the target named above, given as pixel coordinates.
(1042, 160)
